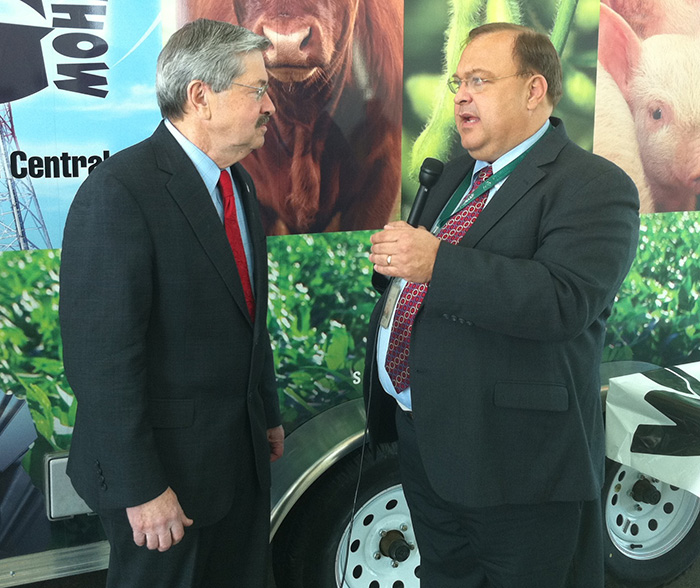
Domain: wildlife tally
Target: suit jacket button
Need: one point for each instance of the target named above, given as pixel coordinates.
(469, 323)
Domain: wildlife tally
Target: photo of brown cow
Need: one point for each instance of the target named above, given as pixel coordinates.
(332, 154)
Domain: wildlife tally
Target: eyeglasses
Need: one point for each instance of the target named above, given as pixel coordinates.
(259, 90)
(475, 84)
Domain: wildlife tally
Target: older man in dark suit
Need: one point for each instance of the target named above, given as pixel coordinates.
(485, 347)
(163, 317)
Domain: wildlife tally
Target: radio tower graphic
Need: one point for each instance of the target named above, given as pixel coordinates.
(21, 223)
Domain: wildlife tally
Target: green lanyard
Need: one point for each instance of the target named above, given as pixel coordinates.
(454, 206)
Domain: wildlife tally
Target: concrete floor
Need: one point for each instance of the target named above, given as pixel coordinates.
(93, 580)
(691, 579)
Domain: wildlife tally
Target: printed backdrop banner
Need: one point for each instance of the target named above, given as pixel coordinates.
(77, 84)
(653, 424)
(81, 88)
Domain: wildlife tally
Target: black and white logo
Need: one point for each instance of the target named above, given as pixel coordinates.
(30, 63)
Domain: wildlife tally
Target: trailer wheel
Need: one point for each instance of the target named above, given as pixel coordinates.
(318, 537)
(653, 530)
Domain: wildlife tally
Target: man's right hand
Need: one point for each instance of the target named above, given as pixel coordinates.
(159, 523)
(403, 251)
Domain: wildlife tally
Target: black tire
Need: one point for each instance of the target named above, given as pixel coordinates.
(648, 545)
(309, 550)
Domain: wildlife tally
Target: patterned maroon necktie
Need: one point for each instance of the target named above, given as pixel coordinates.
(233, 232)
(413, 294)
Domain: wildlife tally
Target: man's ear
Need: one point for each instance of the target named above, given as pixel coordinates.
(198, 98)
(537, 90)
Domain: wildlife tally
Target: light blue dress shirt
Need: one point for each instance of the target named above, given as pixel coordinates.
(403, 397)
(210, 173)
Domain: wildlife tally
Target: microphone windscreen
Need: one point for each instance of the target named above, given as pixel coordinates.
(430, 172)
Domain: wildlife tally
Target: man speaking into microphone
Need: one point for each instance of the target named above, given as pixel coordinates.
(484, 350)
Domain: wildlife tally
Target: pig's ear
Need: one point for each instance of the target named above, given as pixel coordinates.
(619, 48)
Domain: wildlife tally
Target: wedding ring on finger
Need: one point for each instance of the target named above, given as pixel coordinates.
(388, 259)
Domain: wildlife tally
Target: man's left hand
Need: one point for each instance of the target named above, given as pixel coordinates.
(403, 251)
(275, 437)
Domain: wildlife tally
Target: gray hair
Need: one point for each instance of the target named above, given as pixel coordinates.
(207, 50)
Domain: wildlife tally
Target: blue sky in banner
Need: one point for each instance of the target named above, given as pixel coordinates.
(54, 121)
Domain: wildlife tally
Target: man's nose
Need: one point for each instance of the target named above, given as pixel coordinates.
(267, 106)
(463, 94)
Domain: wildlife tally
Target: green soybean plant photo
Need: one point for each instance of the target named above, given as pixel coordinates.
(442, 26)
(321, 298)
(31, 364)
(655, 318)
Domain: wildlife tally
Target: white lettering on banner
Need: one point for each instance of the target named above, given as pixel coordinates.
(81, 46)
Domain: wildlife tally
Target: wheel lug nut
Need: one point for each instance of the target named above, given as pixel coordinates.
(377, 555)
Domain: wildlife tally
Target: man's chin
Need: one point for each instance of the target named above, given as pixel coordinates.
(471, 147)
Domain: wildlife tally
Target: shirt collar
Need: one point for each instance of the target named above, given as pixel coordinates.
(204, 164)
(506, 158)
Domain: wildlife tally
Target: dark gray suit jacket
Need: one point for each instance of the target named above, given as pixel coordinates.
(506, 348)
(169, 372)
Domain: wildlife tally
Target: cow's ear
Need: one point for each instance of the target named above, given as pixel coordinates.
(190, 10)
(233, 16)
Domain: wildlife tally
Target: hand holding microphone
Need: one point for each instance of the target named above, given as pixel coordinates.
(428, 176)
(402, 251)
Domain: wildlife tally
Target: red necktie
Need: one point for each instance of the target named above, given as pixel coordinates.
(413, 294)
(233, 232)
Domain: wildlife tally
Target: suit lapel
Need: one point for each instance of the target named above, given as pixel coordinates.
(523, 178)
(191, 196)
(257, 237)
(516, 186)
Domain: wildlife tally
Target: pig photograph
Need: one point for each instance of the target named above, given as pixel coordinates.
(332, 154)
(648, 98)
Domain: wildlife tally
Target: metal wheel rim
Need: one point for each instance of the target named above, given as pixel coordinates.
(385, 511)
(645, 531)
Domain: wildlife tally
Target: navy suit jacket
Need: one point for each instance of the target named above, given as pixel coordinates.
(506, 348)
(169, 372)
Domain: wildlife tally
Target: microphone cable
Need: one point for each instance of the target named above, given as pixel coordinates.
(429, 174)
(365, 438)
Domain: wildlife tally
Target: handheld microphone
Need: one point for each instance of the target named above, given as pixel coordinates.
(429, 175)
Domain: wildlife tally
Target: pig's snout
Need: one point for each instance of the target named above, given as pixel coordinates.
(689, 158)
